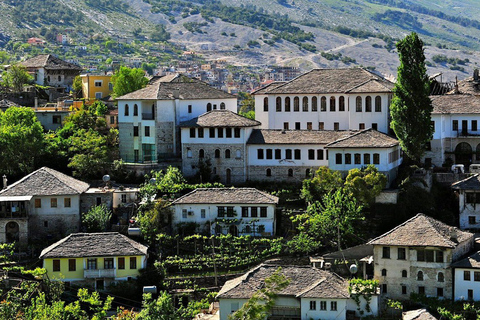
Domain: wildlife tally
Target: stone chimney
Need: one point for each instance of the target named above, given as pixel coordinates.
(475, 74)
(36, 103)
(176, 93)
(453, 234)
(5, 182)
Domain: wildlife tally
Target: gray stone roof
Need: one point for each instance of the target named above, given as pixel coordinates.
(470, 183)
(268, 87)
(227, 195)
(50, 62)
(275, 136)
(5, 104)
(419, 314)
(45, 182)
(319, 81)
(423, 231)
(305, 282)
(167, 87)
(220, 118)
(368, 138)
(94, 245)
(472, 261)
(469, 86)
(456, 104)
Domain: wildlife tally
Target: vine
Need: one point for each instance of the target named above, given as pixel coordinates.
(362, 288)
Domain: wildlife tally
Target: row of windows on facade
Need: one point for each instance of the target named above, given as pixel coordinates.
(189, 108)
(306, 103)
(146, 131)
(426, 255)
(323, 305)
(421, 290)
(357, 158)
(93, 265)
(297, 154)
(200, 132)
(420, 275)
(145, 116)
(321, 126)
(230, 212)
(227, 154)
(473, 127)
(49, 79)
(67, 203)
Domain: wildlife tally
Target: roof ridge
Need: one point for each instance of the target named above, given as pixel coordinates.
(447, 240)
(397, 227)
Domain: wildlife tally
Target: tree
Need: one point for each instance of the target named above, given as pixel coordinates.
(151, 220)
(160, 309)
(127, 80)
(16, 78)
(90, 154)
(77, 87)
(365, 184)
(325, 181)
(411, 106)
(97, 218)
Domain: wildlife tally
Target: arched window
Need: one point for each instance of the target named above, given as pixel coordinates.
(368, 104)
(358, 104)
(222, 106)
(314, 104)
(290, 172)
(378, 104)
(332, 103)
(305, 104)
(265, 104)
(201, 153)
(126, 110)
(189, 153)
(227, 154)
(384, 272)
(278, 104)
(248, 229)
(420, 276)
(238, 154)
(209, 107)
(404, 273)
(59, 78)
(341, 103)
(323, 104)
(268, 173)
(441, 277)
(135, 110)
(217, 153)
(296, 104)
(287, 104)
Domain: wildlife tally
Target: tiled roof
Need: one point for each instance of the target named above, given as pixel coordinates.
(422, 231)
(227, 195)
(45, 182)
(274, 136)
(49, 61)
(320, 81)
(470, 183)
(305, 281)
(472, 261)
(220, 118)
(368, 138)
(269, 87)
(94, 245)
(456, 104)
(5, 104)
(166, 87)
(469, 86)
(419, 314)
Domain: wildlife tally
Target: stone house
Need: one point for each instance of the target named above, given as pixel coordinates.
(238, 211)
(468, 202)
(98, 259)
(417, 256)
(467, 278)
(311, 294)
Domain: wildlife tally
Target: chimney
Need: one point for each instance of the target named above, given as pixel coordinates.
(475, 74)
(36, 103)
(5, 182)
(176, 93)
(453, 234)
(456, 85)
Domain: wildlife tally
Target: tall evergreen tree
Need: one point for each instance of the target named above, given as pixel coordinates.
(411, 106)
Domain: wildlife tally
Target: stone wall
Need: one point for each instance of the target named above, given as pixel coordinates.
(53, 226)
(22, 228)
(89, 200)
(165, 138)
(279, 173)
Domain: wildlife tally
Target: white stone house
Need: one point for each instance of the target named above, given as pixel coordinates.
(149, 118)
(467, 278)
(238, 211)
(311, 294)
(416, 256)
(468, 202)
(44, 203)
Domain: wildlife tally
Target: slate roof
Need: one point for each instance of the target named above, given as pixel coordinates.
(164, 88)
(269, 87)
(94, 245)
(422, 231)
(226, 195)
(419, 314)
(5, 104)
(50, 62)
(368, 138)
(305, 282)
(470, 183)
(220, 118)
(319, 81)
(456, 104)
(45, 182)
(469, 86)
(472, 261)
(274, 136)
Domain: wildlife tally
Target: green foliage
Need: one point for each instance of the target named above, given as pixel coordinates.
(365, 289)
(160, 309)
(411, 106)
(303, 243)
(250, 114)
(194, 27)
(90, 153)
(16, 78)
(247, 102)
(153, 219)
(400, 18)
(77, 88)
(323, 182)
(365, 184)
(127, 80)
(97, 219)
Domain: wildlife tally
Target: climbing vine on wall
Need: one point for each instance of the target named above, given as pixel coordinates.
(362, 288)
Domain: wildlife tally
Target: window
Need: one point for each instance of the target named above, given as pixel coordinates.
(201, 153)
(421, 290)
(401, 254)
(217, 153)
(384, 272)
(98, 83)
(466, 275)
(441, 277)
(361, 126)
(386, 252)
(265, 104)
(236, 132)
(230, 212)
(366, 158)
(314, 104)
(133, 262)
(285, 126)
(368, 104)
(263, 212)
(147, 131)
(57, 119)
(470, 294)
(135, 131)
(135, 110)
(323, 305)
(112, 120)
(202, 213)
(38, 203)
(348, 158)
(184, 213)
(209, 107)
(313, 305)
(108, 263)
(211, 132)
(384, 288)
(336, 126)
(45, 224)
(404, 289)
(287, 104)
(268, 173)
(323, 104)
(192, 132)
(290, 172)
(420, 275)
(121, 263)
(53, 202)
(189, 108)
(338, 158)
(305, 104)
(358, 104)
(67, 203)
(227, 154)
(311, 154)
(309, 126)
(220, 133)
(341, 103)
(92, 264)
(56, 265)
(476, 276)
(189, 153)
(378, 104)
(278, 104)
(376, 158)
(244, 212)
(439, 292)
(474, 125)
(375, 126)
(288, 154)
(222, 106)
(438, 256)
(472, 220)
(404, 273)
(72, 265)
(238, 154)
(200, 132)
(455, 125)
(333, 305)
(228, 132)
(357, 158)
(278, 154)
(126, 110)
(59, 78)
(259, 153)
(319, 154)
(321, 126)
(124, 198)
(298, 154)
(254, 212)
(297, 125)
(269, 154)
(296, 104)
(332, 104)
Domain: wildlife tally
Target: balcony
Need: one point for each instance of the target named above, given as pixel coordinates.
(99, 273)
(18, 214)
(147, 116)
(467, 133)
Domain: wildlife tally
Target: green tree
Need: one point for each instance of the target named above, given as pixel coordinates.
(411, 106)
(365, 184)
(152, 220)
(16, 78)
(323, 182)
(97, 218)
(160, 309)
(90, 154)
(127, 80)
(77, 87)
